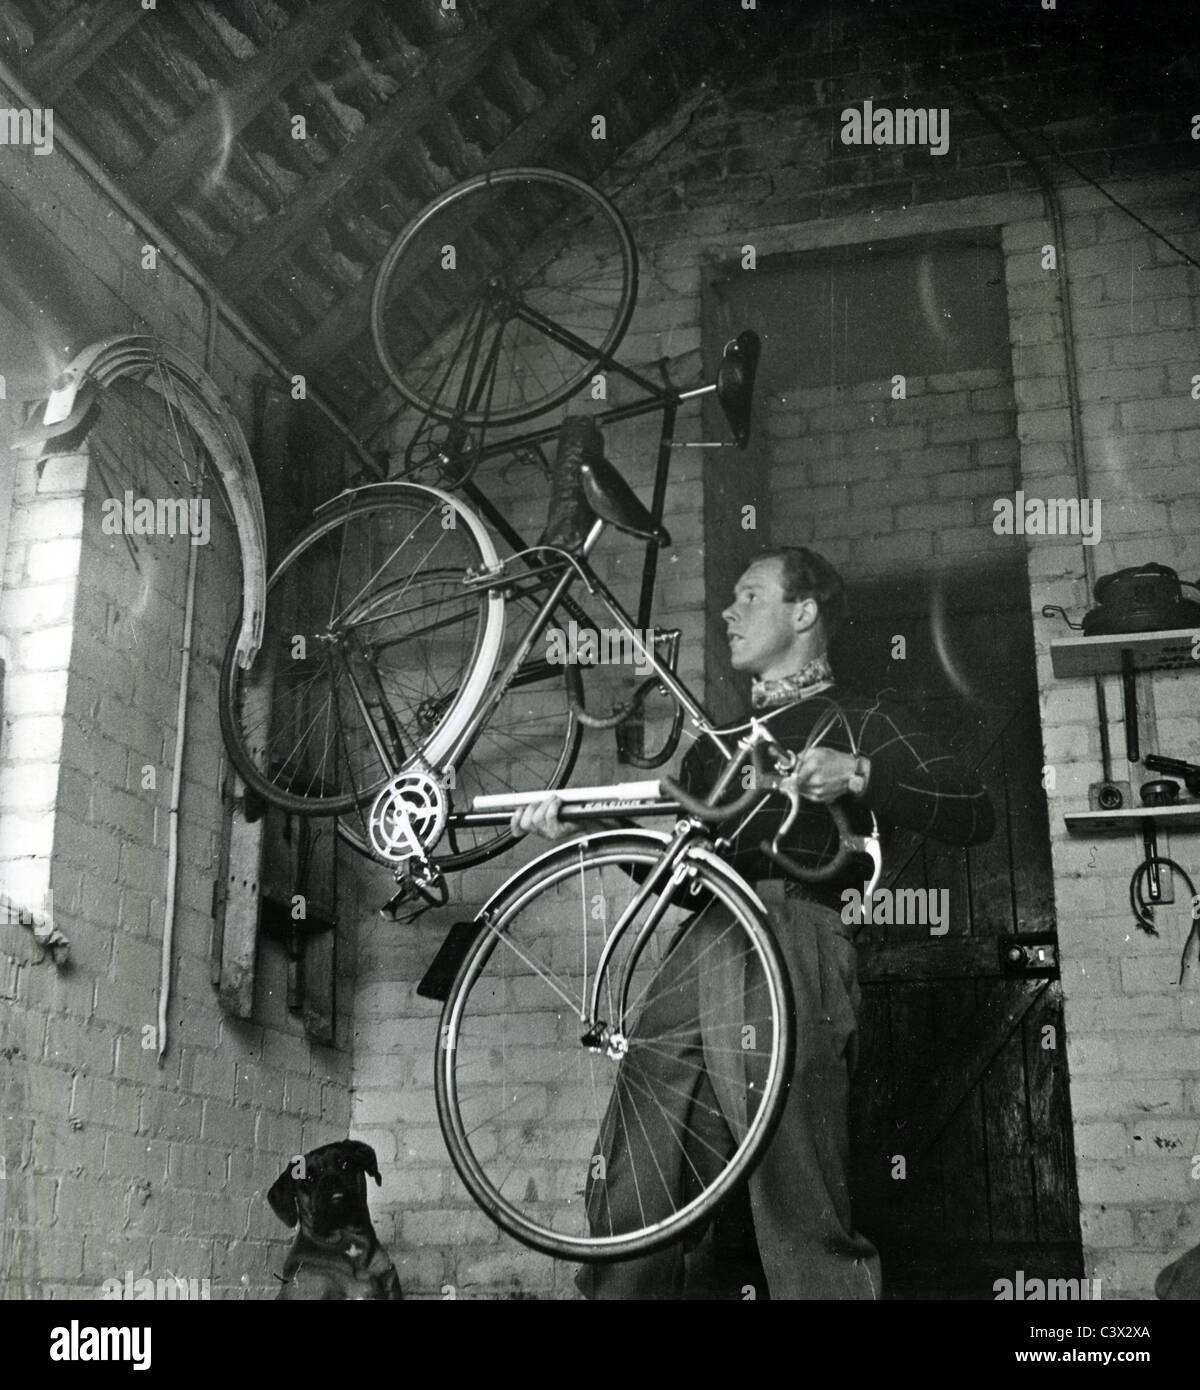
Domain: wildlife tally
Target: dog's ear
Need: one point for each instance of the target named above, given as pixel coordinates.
(364, 1156)
(282, 1198)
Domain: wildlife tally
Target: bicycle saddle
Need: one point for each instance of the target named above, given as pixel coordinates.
(735, 382)
(613, 500)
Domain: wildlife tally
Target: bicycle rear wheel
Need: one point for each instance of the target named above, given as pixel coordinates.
(374, 651)
(573, 1151)
(471, 295)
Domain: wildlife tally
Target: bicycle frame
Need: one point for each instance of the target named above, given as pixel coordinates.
(663, 398)
(573, 567)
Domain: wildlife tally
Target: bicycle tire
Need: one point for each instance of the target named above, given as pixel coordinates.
(309, 749)
(420, 316)
(524, 1106)
(530, 741)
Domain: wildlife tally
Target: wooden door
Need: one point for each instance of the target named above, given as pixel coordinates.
(962, 1161)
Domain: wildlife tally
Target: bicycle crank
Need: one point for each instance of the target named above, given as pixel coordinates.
(407, 817)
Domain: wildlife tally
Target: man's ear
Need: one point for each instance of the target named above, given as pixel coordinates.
(807, 614)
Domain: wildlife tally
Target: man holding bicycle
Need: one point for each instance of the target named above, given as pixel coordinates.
(877, 759)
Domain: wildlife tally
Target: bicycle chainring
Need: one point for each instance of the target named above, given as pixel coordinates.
(407, 817)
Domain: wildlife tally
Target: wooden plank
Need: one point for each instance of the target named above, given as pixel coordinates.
(962, 1147)
(1006, 1123)
(239, 932)
(992, 862)
(77, 42)
(1032, 873)
(421, 99)
(914, 1199)
(934, 958)
(1056, 1196)
(183, 155)
(925, 1097)
(1178, 817)
(541, 131)
(1170, 650)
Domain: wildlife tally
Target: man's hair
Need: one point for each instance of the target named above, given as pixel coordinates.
(806, 574)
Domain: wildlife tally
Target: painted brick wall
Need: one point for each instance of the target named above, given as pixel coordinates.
(881, 486)
(111, 1164)
(1133, 1036)
(757, 162)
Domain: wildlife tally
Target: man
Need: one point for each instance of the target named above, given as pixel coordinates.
(786, 607)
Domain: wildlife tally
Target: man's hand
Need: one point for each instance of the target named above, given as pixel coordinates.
(823, 774)
(539, 818)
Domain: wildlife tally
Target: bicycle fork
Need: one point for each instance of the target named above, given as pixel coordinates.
(669, 874)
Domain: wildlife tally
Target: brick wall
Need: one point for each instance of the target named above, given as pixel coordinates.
(881, 486)
(111, 1163)
(756, 161)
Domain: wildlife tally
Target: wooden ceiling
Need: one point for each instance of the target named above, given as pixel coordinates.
(189, 107)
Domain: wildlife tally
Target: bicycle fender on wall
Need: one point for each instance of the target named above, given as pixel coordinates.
(179, 380)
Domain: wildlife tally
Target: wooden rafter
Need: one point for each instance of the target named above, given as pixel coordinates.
(408, 111)
(542, 130)
(77, 42)
(185, 151)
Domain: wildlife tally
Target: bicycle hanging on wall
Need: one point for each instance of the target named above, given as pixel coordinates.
(377, 656)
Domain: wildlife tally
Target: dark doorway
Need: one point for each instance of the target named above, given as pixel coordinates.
(963, 1070)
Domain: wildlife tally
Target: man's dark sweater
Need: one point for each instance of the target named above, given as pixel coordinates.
(915, 784)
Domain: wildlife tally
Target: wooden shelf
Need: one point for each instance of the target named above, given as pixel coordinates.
(1181, 817)
(1151, 651)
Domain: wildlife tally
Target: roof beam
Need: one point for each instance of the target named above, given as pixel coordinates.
(408, 111)
(543, 129)
(76, 43)
(186, 151)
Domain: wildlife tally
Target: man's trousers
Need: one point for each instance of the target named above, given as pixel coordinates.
(798, 1192)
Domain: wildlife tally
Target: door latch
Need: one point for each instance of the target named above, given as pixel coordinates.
(1031, 957)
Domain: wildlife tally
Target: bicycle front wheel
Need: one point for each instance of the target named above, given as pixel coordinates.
(498, 300)
(597, 1139)
(374, 651)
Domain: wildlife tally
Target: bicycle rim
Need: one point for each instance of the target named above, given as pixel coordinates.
(569, 1150)
(371, 642)
(448, 299)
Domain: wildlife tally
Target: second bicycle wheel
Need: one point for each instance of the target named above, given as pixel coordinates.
(497, 300)
(374, 651)
(602, 1150)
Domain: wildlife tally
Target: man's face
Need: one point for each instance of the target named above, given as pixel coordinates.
(761, 623)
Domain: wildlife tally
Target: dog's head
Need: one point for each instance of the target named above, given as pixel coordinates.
(325, 1190)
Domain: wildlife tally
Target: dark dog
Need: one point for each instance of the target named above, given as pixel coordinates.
(336, 1254)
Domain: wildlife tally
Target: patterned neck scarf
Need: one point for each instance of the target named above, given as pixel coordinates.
(811, 679)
